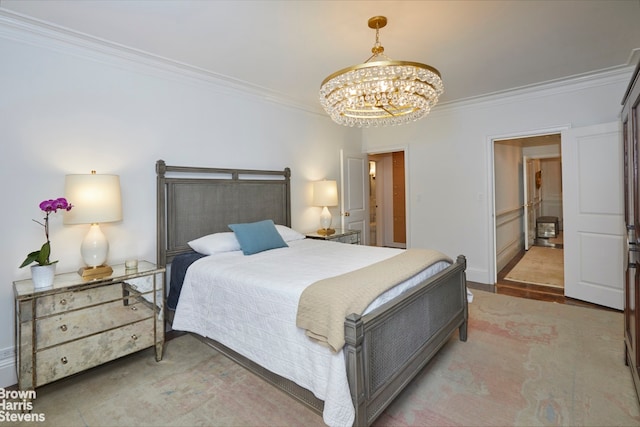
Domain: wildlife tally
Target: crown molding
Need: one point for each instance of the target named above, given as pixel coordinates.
(634, 57)
(619, 74)
(24, 29)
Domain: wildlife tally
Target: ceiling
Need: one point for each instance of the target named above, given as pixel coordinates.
(289, 47)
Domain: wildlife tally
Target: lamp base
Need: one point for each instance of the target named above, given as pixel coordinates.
(326, 231)
(98, 272)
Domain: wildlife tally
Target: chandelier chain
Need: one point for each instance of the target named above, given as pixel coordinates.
(377, 48)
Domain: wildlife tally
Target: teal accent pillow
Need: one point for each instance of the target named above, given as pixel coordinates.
(258, 236)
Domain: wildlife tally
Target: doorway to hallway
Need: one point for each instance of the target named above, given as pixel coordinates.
(387, 200)
(592, 209)
(528, 189)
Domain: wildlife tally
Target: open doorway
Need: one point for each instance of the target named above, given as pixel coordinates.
(528, 213)
(387, 200)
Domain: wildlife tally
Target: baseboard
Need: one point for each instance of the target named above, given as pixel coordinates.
(481, 287)
(506, 254)
(8, 376)
(478, 275)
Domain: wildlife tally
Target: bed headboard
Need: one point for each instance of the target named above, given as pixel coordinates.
(196, 201)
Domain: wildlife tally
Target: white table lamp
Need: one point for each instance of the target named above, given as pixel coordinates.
(325, 193)
(96, 199)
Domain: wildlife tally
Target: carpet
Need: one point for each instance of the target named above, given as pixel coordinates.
(526, 363)
(540, 266)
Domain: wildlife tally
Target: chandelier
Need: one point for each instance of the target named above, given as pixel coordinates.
(380, 91)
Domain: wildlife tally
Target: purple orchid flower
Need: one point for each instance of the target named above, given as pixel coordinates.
(41, 257)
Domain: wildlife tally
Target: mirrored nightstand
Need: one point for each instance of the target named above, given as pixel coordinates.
(342, 236)
(77, 324)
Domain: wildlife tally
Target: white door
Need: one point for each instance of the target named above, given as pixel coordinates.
(528, 178)
(354, 190)
(593, 214)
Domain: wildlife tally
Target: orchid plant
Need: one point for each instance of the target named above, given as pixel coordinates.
(41, 257)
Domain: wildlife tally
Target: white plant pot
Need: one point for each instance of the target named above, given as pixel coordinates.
(43, 275)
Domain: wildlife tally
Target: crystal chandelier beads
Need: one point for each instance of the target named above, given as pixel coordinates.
(381, 92)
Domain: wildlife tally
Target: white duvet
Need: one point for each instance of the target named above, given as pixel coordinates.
(249, 304)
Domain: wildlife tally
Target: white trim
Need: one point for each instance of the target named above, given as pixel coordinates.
(543, 89)
(8, 367)
(634, 57)
(491, 214)
(407, 198)
(23, 29)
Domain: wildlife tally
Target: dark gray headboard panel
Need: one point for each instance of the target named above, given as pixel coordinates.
(196, 201)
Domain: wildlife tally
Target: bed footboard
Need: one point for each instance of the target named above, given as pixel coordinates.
(386, 348)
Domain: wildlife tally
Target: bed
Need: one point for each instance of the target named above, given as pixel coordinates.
(376, 361)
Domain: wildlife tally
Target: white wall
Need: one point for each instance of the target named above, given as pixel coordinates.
(449, 162)
(66, 109)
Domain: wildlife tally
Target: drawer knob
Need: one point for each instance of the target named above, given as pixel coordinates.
(64, 360)
(63, 301)
(134, 308)
(63, 328)
(134, 337)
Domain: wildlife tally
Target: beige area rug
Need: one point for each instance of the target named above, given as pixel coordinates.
(525, 363)
(540, 266)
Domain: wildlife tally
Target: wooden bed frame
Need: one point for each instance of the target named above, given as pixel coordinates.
(384, 349)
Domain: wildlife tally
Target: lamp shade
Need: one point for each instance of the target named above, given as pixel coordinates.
(96, 198)
(325, 193)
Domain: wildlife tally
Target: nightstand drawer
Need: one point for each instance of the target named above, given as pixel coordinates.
(351, 239)
(81, 323)
(66, 301)
(66, 359)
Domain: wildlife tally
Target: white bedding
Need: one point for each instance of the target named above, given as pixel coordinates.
(249, 304)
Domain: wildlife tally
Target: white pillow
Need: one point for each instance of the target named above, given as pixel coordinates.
(215, 243)
(288, 234)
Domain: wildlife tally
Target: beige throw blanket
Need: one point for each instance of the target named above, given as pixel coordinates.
(324, 304)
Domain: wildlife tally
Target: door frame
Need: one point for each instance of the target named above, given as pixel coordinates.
(529, 210)
(407, 184)
(491, 186)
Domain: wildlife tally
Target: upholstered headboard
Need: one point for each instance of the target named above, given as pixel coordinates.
(196, 201)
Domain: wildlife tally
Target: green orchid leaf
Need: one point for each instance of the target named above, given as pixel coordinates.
(30, 258)
(43, 257)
